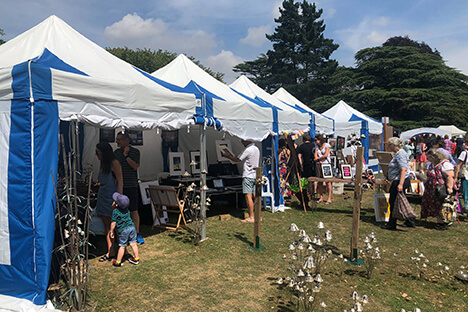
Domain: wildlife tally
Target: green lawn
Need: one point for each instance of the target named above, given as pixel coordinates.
(223, 274)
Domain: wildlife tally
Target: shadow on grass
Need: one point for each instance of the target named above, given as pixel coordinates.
(241, 236)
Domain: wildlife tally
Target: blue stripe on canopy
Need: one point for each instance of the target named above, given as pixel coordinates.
(49, 59)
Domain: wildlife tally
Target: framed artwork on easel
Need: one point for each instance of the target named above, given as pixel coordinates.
(327, 171)
(176, 164)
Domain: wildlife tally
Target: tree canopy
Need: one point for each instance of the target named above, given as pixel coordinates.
(300, 58)
(409, 83)
(2, 33)
(150, 61)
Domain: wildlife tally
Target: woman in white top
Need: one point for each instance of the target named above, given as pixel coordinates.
(463, 159)
(322, 155)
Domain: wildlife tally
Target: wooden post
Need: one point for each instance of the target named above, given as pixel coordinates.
(257, 209)
(356, 207)
(384, 134)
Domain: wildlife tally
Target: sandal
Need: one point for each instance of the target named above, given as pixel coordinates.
(319, 201)
(104, 258)
(328, 202)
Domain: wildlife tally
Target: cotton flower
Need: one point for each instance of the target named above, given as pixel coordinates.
(320, 225)
(318, 278)
(293, 227)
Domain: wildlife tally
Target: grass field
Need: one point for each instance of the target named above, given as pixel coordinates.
(223, 274)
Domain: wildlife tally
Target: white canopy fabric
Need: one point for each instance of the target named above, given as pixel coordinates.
(453, 130)
(342, 113)
(92, 85)
(289, 119)
(323, 124)
(239, 116)
(420, 131)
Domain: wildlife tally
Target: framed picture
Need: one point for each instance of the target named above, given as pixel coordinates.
(327, 171)
(195, 162)
(332, 143)
(339, 156)
(340, 143)
(136, 137)
(382, 207)
(346, 172)
(107, 135)
(333, 161)
(176, 164)
(222, 145)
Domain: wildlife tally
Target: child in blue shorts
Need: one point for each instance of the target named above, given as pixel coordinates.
(125, 227)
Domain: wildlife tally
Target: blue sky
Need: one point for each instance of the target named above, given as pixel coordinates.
(223, 33)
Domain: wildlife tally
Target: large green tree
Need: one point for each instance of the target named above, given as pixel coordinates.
(150, 61)
(2, 34)
(404, 80)
(300, 58)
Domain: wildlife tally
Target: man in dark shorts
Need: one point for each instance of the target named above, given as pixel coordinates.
(305, 154)
(129, 158)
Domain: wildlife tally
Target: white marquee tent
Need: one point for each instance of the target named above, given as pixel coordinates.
(454, 131)
(322, 123)
(48, 73)
(349, 120)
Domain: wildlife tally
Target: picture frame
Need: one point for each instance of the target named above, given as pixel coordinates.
(195, 158)
(221, 145)
(136, 137)
(346, 172)
(332, 142)
(382, 207)
(176, 163)
(340, 143)
(339, 156)
(327, 171)
(107, 135)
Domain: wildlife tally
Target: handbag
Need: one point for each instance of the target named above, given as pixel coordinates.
(441, 191)
(461, 173)
(402, 209)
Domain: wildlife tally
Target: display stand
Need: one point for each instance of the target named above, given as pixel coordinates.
(164, 198)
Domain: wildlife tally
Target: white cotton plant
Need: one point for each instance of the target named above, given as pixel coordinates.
(420, 262)
(358, 302)
(371, 253)
(306, 257)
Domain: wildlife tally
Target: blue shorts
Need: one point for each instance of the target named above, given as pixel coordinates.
(248, 185)
(127, 237)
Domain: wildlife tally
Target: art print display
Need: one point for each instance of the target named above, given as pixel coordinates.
(136, 137)
(195, 162)
(327, 171)
(340, 143)
(346, 172)
(223, 146)
(382, 207)
(176, 164)
(107, 135)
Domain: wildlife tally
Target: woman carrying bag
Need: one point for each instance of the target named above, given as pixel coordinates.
(438, 185)
(398, 174)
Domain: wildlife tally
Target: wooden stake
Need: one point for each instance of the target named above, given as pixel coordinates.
(356, 204)
(257, 209)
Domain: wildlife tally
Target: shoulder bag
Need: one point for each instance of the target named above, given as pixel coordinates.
(402, 209)
(461, 173)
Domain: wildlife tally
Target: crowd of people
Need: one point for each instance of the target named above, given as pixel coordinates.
(441, 163)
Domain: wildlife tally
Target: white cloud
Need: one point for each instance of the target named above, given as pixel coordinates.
(224, 62)
(329, 13)
(256, 36)
(381, 21)
(135, 32)
(276, 6)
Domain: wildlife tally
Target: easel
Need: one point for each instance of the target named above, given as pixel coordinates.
(295, 169)
(167, 197)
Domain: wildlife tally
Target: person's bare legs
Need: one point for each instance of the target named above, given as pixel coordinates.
(329, 187)
(136, 220)
(120, 253)
(250, 207)
(109, 240)
(135, 250)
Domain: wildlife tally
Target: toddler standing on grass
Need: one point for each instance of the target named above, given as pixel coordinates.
(125, 228)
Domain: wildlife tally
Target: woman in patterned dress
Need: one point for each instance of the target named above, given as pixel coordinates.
(284, 156)
(439, 172)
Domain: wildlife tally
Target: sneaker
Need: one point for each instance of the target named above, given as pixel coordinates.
(140, 239)
(117, 264)
(134, 261)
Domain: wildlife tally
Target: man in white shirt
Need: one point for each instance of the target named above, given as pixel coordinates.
(251, 158)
